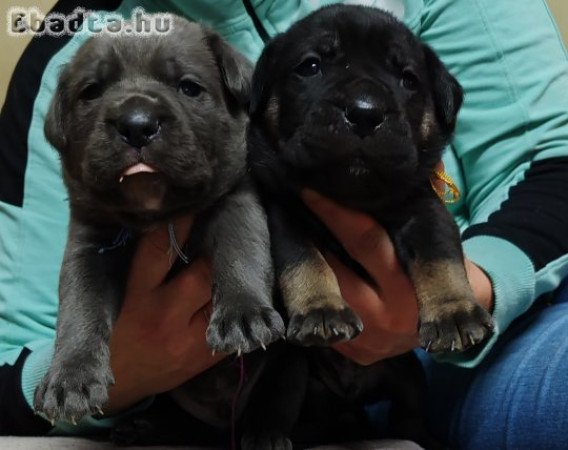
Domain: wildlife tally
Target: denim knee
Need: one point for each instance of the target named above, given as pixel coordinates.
(517, 398)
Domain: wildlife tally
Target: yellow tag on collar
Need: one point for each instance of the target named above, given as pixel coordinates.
(450, 192)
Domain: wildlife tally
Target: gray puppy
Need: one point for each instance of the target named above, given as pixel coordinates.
(148, 128)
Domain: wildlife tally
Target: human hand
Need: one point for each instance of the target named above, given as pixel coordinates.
(389, 310)
(158, 341)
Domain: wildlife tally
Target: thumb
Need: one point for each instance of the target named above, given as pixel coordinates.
(363, 238)
(191, 288)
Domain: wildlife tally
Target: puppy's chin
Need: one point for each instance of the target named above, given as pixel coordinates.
(144, 191)
(352, 176)
(352, 187)
(352, 162)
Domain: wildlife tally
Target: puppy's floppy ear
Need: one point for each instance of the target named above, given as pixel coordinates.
(54, 125)
(236, 70)
(448, 94)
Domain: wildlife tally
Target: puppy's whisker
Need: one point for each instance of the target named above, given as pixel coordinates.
(174, 244)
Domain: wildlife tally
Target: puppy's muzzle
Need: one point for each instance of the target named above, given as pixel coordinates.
(137, 123)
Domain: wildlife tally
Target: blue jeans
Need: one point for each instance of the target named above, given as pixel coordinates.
(517, 398)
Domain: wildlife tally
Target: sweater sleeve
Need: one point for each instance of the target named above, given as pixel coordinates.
(16, 417)
(33, 223)
(510, 152)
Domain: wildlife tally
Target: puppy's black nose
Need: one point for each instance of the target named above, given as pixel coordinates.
(365, 115)
(138, 127)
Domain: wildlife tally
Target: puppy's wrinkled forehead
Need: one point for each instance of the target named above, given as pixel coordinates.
(359, 34)
(163, 57)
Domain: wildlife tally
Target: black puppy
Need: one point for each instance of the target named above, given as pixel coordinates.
(148, 128)
(349, 103)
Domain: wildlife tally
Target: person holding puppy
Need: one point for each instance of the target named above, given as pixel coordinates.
(509, 159)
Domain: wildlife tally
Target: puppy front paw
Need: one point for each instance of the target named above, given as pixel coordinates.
(323, 326)
(242, 325)
(454, 326)
(71, 391)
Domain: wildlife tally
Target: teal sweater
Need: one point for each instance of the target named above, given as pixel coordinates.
(509, 159)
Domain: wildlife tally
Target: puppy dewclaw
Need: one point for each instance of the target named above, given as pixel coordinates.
(149, 128)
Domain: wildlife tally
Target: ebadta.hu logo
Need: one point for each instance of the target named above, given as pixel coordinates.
(31, 21)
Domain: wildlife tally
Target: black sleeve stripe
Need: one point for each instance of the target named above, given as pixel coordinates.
(16, 114)
(535, 216)
(16, 416)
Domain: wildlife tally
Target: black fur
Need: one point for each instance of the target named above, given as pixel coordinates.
(300, 136)
(349, 103)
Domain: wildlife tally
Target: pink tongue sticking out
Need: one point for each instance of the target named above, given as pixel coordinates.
(143, 187)
(137, 168)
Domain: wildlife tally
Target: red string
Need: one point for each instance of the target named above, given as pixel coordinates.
(234, 403)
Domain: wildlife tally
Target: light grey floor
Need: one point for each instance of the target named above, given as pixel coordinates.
(60, 443)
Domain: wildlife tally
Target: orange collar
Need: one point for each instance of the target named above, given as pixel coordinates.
(444, 186)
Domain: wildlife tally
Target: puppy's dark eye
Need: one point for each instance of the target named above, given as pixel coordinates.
(91, 91)
(409, 80)
(309, 67)
(190, 88)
